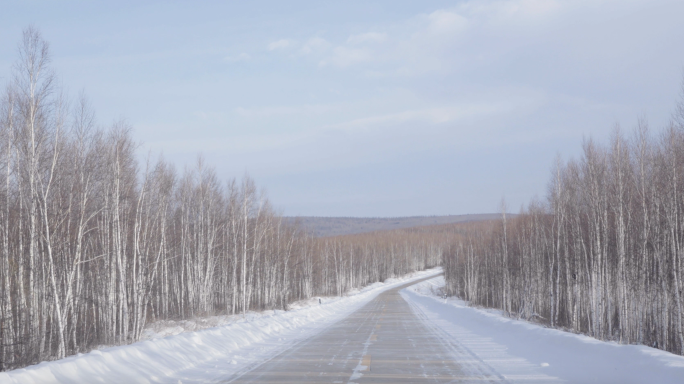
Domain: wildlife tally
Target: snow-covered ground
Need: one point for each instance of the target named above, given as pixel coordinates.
(521, 352)
(516, 351)
(234, 344)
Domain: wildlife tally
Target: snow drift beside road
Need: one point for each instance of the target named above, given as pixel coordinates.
(207, 355)
(524, 352)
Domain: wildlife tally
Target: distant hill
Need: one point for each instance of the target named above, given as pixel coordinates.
(334, 226)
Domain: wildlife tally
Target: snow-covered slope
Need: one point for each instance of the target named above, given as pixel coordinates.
(522, 352)
(206, 355)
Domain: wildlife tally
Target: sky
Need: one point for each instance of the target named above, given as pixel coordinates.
(367, 108)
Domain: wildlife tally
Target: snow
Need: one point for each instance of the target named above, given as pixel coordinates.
(183, 351)
(519, 351)
(212, 349)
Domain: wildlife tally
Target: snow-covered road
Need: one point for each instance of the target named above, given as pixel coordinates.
(209, 355)
(382, 342)
(523, 352)
(384, 333)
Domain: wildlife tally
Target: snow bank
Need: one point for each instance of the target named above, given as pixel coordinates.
(524, 352)
(209, 355)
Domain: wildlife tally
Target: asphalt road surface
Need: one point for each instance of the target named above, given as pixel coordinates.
(383, 342)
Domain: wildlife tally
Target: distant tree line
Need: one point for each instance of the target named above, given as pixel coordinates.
(94, 244)
(602, 255)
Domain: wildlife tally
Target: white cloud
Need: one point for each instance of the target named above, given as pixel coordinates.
(343, 56)
(468, 34)
(370, 37)
(279, 111)
(280, 44)
(527, 10)
(444, 22)
(240, 57)
(457, 112)
(315, 44)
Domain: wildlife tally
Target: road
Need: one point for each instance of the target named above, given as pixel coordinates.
(382, 342)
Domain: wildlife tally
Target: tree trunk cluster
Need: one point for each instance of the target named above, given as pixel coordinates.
(95, 245)
(601, 256)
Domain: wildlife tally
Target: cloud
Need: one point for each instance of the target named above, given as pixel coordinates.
(405, 50)
(456, 112)
(370, 37)
(467, 34)
(280, 44)
(315, 44)
(240, 57)
(444, 22)
(526, 12)
(344, 56)
(268, 111)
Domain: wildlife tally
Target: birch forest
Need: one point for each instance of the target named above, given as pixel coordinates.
(601, 255)
(95, 244)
